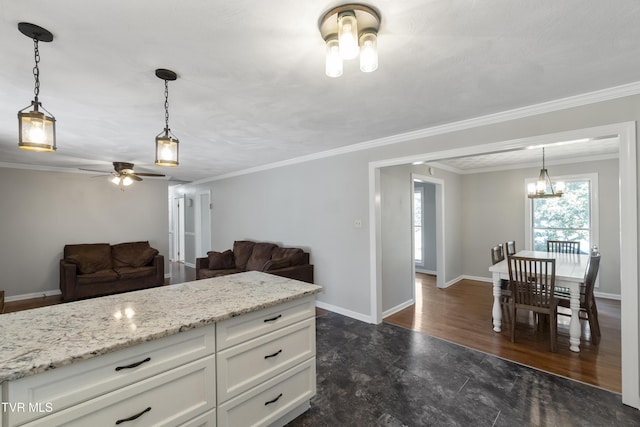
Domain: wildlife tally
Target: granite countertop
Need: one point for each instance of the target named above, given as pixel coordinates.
(37, 340)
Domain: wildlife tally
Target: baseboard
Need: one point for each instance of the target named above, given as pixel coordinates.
(425, 271)
(344, 312)
(452, 282)
(606, 295)
(397, 308)
(478, 278)
(33, 295)
(190, 264)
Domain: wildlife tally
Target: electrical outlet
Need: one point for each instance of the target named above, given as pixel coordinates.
(357, 223)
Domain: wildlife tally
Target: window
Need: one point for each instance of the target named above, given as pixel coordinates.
(418, 205)
(570, 217)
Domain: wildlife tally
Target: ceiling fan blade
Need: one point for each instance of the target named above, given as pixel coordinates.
(95, 170)
(149, 174)
(134, 176)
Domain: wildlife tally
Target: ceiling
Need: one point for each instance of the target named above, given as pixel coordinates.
(251, 88)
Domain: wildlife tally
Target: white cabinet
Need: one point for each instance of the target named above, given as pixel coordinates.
(113, 386)
(266, 366)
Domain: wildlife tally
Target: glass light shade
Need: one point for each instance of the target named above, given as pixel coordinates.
(166, 149)
(115, 180)
(333, 65)
(348, 35)
(531, 188)
(36, 131)
(559, 187)
(127, 181)
(368, 52)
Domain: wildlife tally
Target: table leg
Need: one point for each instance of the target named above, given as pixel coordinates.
(497, 310)
(574, 326)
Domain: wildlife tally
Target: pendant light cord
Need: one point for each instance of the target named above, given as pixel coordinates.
(36, 69)
(166, 105)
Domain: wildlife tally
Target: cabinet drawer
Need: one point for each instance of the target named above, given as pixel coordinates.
(273, 399)
(242, 328)
(168, 399)
(252, 362)
(205, 420)
(84, 380)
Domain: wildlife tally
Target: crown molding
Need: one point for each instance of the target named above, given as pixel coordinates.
(518, 113)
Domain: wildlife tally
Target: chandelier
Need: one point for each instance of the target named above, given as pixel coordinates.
(348, 31)
(36, 130)
(166, 142)
(544, 187)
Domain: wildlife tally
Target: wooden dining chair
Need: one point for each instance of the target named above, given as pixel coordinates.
(533, 282)
(510, 247)
(563, 246)
(497, 254)
(587, 299)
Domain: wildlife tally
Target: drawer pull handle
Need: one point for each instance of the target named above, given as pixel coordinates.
(274, 354)
(273, 319)
(134, 417)
(133, 365)
(271, 401)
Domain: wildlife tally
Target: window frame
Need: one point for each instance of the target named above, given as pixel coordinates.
(594, 203)
(418, 262)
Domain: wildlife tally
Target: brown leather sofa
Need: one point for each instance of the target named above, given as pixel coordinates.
(247, 255)
(97, 269)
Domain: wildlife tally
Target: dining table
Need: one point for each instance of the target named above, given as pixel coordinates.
(570, 271)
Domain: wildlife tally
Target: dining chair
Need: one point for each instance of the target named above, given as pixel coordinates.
(563, 246)
(533, 282)
(510, 247)
(497, 254)
(587, 299)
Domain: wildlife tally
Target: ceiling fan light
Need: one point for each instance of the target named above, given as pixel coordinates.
(166, 149)
(127, 181)
(36, 130)
(115, 180)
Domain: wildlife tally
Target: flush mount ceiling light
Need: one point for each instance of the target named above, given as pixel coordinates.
(166, 142)
(543, 187)
(350, 30)
(36, 130)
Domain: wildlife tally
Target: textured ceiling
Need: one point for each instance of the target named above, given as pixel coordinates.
(251, 87)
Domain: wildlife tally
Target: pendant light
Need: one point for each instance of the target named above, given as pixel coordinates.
(36, 129)
(539, 189)
(166, 142)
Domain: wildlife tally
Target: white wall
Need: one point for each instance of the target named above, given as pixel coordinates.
(42, 211)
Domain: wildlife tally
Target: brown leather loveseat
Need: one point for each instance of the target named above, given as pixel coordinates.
(96, 269)
(247, 255)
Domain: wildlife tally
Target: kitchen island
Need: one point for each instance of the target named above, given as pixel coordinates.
(231, 350)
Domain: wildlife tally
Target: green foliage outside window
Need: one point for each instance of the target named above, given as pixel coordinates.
(563, 218)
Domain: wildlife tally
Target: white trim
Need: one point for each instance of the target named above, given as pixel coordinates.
(476, 278)
(518, 113)
(344, 312)
(606, 295)
(398, 308)
(452, 282)
(423, 271)
(32, 295)
(626, 131)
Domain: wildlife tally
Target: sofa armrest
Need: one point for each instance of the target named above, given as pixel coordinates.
(68, 282)
(201, 263)
(158, 263)
(303, 272)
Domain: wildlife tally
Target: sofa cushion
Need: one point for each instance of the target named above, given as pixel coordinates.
(89, 258)
(206, 274)
(241, 252)
(294, 255)
(277, 263)
(259, 256)
(100, 276)
(219, 260)
(132, 254)
(135, 272)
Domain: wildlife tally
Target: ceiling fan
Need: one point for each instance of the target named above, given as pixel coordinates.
(124, 174)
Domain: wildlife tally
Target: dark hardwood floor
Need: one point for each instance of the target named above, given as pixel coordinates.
(462, 314)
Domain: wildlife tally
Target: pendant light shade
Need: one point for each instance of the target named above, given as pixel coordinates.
(334, 60)
(36, 130)
(348, 34)
(166, 142)
(368, 52)
(544, 187)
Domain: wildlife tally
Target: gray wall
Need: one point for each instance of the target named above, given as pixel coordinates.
(498, 215)
(42, 211)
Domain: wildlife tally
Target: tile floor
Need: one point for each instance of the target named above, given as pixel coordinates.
(384, 375)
